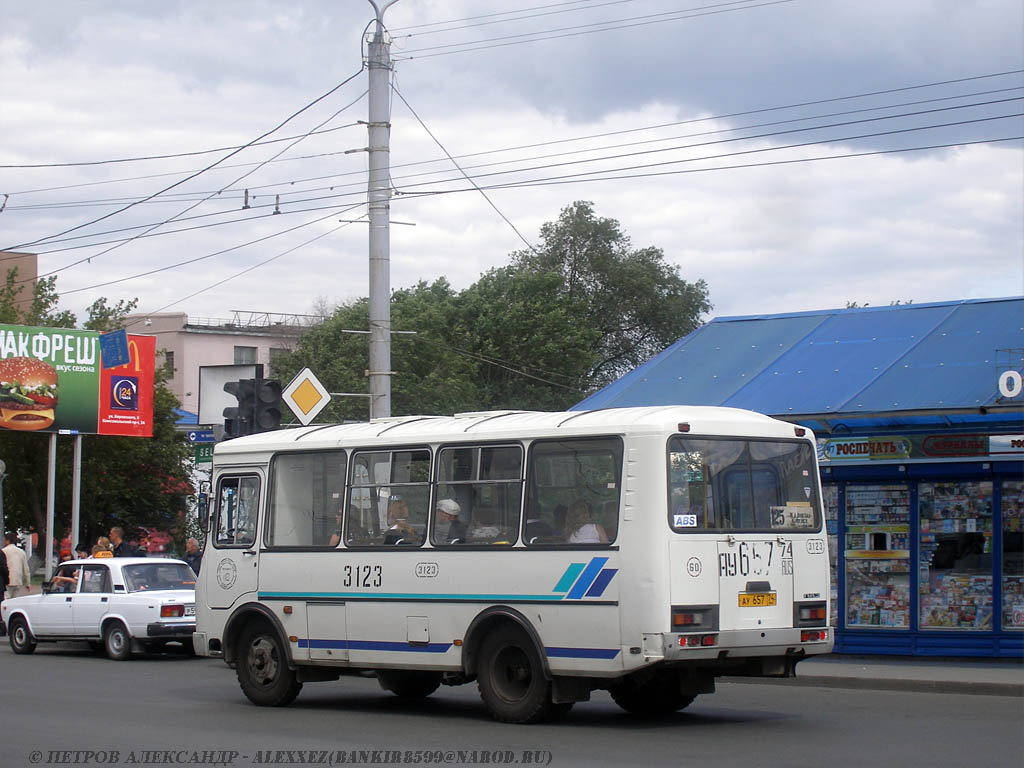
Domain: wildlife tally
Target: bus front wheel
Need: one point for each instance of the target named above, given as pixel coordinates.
(511, 678)
(650, 696)
(262, 668)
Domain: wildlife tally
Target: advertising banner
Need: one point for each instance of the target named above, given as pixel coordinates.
(52, 379)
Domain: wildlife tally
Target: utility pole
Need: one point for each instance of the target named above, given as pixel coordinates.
(379, 205)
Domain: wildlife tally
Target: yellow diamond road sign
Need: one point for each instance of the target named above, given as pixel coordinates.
(306, 396)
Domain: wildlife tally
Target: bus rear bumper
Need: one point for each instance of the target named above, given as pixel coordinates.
(743, 644)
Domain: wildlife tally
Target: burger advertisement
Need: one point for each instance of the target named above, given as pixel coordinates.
(53, 379)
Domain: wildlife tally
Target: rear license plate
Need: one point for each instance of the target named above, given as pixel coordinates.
(757, 599)
(190, 610)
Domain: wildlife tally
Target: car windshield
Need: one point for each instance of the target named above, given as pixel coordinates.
(147, 577)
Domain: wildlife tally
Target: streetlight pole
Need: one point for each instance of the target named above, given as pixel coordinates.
(379, 210)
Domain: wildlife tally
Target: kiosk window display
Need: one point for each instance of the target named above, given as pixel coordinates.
(1013, 554)
(878, 556)
(830, 491)
(955, 583)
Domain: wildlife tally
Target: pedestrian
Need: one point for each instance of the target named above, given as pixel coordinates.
(193, 556)
(121, 547)
(19, 574)
(4, 579)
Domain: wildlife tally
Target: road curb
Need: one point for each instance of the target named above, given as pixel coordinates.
(897, 684)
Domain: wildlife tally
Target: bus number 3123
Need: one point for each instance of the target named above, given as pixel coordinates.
(362, 576)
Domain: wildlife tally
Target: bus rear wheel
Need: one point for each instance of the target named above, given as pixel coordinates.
(511, 678)
(262, 668)
(409, 684)
(650, 695)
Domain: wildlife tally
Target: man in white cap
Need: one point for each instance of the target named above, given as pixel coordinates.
(448, 511)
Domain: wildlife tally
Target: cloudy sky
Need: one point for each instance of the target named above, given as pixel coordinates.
(794, 154)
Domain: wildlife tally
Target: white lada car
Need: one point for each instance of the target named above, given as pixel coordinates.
(121, 605)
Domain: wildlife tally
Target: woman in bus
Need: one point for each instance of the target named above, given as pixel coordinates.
(580, 528)
(399, 531)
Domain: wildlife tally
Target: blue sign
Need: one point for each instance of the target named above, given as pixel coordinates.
(201, 436)
(114, 349)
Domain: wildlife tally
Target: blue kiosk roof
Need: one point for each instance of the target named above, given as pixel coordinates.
(864, 368)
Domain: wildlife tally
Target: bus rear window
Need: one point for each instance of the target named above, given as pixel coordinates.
(742, 485)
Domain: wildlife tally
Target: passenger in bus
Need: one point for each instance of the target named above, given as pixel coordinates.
(399, 531)
(448, 511)
(336, 536)
(580, 528)
(536, 529)
(483, 525)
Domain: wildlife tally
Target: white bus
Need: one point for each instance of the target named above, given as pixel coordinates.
(644, 551)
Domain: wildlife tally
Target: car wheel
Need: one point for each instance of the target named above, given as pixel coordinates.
(652, 696)
(20, 636)
(409, 685)
(511, 678)
(262, 667)
(117, 642)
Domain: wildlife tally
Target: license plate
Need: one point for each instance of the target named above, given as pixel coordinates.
(757, 599)
(190, 610)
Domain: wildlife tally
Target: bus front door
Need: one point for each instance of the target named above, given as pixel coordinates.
(231, 566)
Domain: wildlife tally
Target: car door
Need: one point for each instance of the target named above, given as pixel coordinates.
(52, 615)
(92, 601)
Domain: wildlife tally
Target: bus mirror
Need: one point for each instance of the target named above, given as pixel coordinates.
(204, 512)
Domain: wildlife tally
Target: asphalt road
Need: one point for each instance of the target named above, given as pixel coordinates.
(173, 710)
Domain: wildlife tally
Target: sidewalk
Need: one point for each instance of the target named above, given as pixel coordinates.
(983, 677)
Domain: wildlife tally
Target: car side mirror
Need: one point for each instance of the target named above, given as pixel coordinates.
(46, 587)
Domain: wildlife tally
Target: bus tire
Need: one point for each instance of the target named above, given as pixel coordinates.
(511, 677)
(262, 667)
(20, 636)
(650, 696)
(409, 684)
(117, 642)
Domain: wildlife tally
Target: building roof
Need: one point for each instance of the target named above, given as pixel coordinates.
(849, 369)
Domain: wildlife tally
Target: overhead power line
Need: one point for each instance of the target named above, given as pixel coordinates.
(197, 173)
(176, 154)
(588, 137)
(584, 29)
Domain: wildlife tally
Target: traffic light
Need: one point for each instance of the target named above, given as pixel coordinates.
(238, 420)
(267, 408)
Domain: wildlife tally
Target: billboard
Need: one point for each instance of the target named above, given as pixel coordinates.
(52, 379)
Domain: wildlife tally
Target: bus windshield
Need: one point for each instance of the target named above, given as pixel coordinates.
(742, 485)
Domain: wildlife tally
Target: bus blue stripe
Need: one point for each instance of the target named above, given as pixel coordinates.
(568, 577)
(601, 582)
(582, 653)
(405, 596)
(373, 645)
(587, 577)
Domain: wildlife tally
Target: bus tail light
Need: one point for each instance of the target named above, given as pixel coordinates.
(171, 611)
(697, 641)
(694, 618)
(813, 635)
(810, 614)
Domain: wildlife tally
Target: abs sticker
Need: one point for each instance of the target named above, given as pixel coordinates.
(684, 521)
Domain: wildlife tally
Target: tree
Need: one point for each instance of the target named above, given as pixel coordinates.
(636, 302)
(125, 480)
(540, 333)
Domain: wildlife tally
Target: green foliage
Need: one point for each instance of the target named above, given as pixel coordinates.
(127, 481)
(540, 333)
